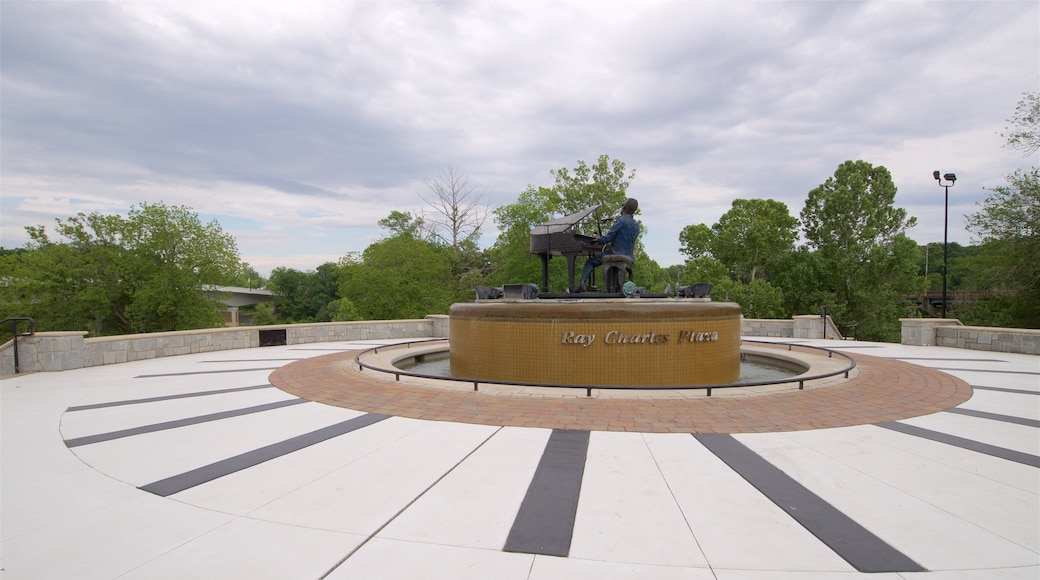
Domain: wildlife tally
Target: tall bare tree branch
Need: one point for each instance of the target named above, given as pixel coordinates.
(458, 210)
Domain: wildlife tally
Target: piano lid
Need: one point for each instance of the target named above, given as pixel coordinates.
(563, 224)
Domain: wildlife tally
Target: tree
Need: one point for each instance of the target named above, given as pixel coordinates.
(604, 184)
(510, 255)
(459, 210)
(752, 235)
(399, 277)
(1024, 132)
(400, 223)
(959, 268)
(247, 277)
(695, 241)
(801, 275)
(458, 214)
(1008, 224)
(866, 260)
(144, 272)
(305, 296)
(758, 299)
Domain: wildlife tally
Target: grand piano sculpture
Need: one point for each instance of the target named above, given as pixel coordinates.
(559, 238)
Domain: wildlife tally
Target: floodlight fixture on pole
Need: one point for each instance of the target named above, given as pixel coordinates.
(951, 178)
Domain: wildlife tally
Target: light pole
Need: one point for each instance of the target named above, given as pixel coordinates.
(951, 178)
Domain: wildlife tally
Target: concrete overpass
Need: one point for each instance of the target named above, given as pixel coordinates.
(235, 297)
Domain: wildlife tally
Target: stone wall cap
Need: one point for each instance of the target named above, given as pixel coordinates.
(999, 329)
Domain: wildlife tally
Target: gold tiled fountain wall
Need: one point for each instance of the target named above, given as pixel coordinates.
(630, 342)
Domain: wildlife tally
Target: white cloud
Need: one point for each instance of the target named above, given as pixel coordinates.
(300, 125)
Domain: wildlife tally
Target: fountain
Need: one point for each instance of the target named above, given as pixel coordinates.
(637, 342)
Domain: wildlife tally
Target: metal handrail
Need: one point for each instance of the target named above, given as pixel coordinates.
(800, 379)
(14, 332)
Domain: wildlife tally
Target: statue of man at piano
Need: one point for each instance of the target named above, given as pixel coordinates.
(620, 239)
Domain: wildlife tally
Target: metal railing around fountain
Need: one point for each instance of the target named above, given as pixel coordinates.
(800, 379)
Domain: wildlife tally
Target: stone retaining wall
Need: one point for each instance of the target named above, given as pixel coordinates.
(802, 326)
(950, 332)
(1017, 340)
(777, 328)
(60, 351)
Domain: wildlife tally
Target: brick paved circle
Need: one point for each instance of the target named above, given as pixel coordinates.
(880, 390)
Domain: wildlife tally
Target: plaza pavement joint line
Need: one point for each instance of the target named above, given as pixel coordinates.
(408, 505)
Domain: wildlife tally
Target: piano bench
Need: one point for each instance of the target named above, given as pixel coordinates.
(615, 268)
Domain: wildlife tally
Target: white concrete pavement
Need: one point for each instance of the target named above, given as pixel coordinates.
(404, 498)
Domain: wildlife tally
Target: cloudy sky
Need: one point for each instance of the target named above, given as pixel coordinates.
(298, 125)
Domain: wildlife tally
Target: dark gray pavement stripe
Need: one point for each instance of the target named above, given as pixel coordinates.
(100, 437)
(995, 417)
(167, 398)
(854, 543)
(963, 443)
(1031, 373)
(190, 479)
(545, 522)
(219, 372)
(1005, 390)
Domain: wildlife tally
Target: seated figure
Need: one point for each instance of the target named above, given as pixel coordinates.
(620, 239)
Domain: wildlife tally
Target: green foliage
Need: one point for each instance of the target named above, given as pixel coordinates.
(401, 224)
(650, 275)
(960, 270)
(399, 277)
(305, 296)
(801, 276)
(757, 299)
(695, 241)
(511, 262)
(864, 255)
(704, 269)
(345, 311)
(144, 272)
(510, 257)
(604, 183)
(264, 314)
(753, 235)
(991, 310)
(246, 277)
(1008, 222)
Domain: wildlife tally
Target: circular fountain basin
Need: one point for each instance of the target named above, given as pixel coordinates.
(621, 342)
